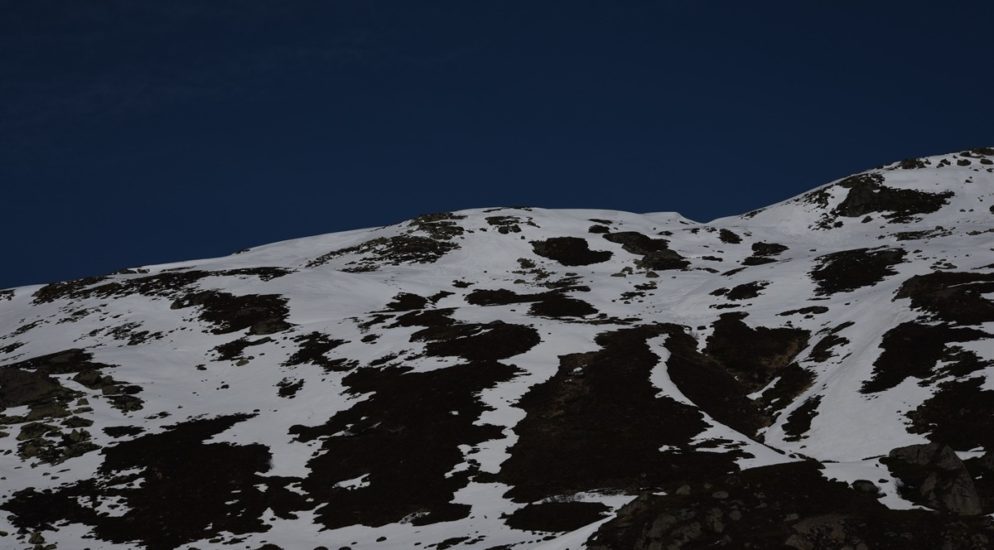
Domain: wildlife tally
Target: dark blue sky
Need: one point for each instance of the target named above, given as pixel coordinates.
(142, 132)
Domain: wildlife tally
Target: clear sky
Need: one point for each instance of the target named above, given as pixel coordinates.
(146, 132)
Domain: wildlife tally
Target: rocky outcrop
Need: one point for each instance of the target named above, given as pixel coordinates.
(932, 475)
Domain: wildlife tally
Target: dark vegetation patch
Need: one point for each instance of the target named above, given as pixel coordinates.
(851, 269)
(933, 476)
(781, 506)
(599, 229)
(598, 424)
(915, 350)
(49, 431)
(561, 516)
(260, 313)
(176, 469)
(509, 224)
(952, 297)
(806, 311)
(164, 284)
(867, 195)
(747, 291)
(729, 237)
(799, 420)
(571, 251)
(960, 414)
(404, 438)
(312, 349)
(656, 254)
(6, 295)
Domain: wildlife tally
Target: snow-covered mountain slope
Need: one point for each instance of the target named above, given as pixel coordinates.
(816, 374)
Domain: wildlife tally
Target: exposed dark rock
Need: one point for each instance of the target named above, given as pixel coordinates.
(572, 251)
(402, 441)
(503, 297)
(509, 224)
(747, 291)
(851, 269)
(939, 231)
(799, 420)
(598, 424)
(754, 355)
(810, 310)
(729, 237)
(960, 414)
(34, 383)
(405, 301)
(781, 506)
(557, 516)
(767, 249)
(312, 350)
(867, 195)
(260, 313)
(952, 297)
(441, 225)
(401, 249)
(737, 361)
(164, 284)
(655, 253)
(913, 164)
(492, 341)
(233, 350)
(123, 431)
(288, 388)
(559, 306)
(793, 381)
(175, 468)
(933, 476)
(915, 350)
(823, 350)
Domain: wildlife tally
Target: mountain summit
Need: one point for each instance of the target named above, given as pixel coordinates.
(816, 374)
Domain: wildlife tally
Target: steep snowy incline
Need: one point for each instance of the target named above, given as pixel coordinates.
(815, 374)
